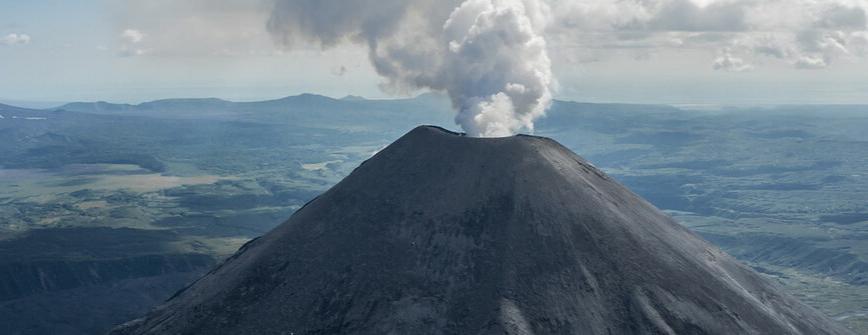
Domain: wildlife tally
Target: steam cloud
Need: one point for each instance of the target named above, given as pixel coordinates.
(488, 55)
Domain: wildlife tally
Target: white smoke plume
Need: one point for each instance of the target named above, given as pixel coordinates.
(488, 55)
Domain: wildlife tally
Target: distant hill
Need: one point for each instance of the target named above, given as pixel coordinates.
(8, 108)
(308, 110)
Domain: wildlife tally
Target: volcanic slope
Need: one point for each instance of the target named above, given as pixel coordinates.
(441, 233)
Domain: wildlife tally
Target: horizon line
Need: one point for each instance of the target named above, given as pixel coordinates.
(55, 104)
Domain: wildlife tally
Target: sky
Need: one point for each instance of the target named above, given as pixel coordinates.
(637, 51)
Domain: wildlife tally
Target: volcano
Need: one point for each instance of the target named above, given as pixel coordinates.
(441, 233)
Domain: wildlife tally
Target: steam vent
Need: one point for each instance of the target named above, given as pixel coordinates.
(445, 234)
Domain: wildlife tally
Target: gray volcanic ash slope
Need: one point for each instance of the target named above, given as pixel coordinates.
(445, 234)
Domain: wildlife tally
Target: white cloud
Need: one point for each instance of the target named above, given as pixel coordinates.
(810, 63)
(131, 40)
(727, 62)
(132, 36)
(790, 30)
(15, 39)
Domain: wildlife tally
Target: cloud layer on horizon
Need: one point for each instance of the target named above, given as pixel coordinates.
(803, 33)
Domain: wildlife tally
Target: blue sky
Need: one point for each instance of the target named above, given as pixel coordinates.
(80, 51)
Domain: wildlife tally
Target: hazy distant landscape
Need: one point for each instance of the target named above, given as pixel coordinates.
(108, 209)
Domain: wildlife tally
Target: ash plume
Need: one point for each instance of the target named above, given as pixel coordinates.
(489, 56)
